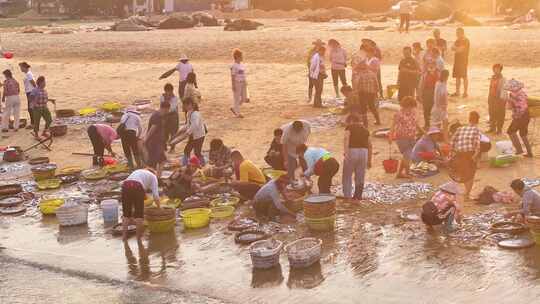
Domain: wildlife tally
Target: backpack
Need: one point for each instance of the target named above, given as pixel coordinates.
(430, 214)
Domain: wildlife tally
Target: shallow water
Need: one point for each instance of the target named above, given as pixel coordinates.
(372, 257)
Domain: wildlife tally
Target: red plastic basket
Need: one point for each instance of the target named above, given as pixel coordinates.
(390, 165)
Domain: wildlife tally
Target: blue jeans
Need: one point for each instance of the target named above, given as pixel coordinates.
(355, 164)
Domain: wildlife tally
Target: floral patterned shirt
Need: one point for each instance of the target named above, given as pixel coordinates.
(405, 124)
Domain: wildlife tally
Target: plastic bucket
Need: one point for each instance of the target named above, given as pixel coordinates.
(390, 165)
(110, 211)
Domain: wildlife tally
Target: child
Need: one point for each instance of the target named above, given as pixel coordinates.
(239, 83)
(439, 113)
(353, 106)
(39, 100)
(403, 130)
(274, 157)
(171, 119)
(192, 90)
(497, 100)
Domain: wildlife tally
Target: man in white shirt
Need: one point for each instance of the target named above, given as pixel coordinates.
(317, 73)
(405, 11)
(29, 86)
(183, 67)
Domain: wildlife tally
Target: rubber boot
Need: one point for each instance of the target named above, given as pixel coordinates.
(515, 142)
(527, 145)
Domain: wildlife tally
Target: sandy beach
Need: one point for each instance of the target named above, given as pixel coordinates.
(86, 69)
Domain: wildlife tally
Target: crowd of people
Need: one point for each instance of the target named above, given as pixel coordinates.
(422, 81)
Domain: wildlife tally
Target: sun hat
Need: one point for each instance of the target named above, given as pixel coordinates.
(433, 130)
(450, 187)
(183, 57)
(513, 85)
(318, 42)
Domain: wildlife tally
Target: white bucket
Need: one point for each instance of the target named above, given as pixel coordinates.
(110, 211)
(504, 147)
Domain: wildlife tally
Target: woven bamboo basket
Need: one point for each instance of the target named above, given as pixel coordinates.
(319, 206)
(265, 254)
(44, 171)
(72, 214)
(304, 252)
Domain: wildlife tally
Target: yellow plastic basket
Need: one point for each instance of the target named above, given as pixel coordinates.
(49, 207)
(161, 226)
(225, 201)
(273, 174)
(71, 170)
(220, 212)
(118, 168)
(534, 112)
(321, 224)
(196, 218)
(87, 111)
(111, 106)
(164, 201)
(94, 174)
(53, 183)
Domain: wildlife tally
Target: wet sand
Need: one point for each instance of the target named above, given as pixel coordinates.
(373, 257)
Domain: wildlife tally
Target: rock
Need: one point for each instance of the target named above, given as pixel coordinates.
(462, 17)
(379, 19)
(31, 30)
(205, 18)
(325, 15)
(432, 10)
(177, 22)
(243, 25)
(143, 21)
(128, 25)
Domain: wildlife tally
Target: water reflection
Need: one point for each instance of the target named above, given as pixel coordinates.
(163, 245)
(305, 278)
(72, 234)
(265, 278)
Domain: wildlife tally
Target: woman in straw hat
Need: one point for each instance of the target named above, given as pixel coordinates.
(443, 208)
(183, 67)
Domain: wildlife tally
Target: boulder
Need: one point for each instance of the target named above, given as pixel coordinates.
(205, 19)
(242, 25)
(432, 10)
(462, 17)
(177, 22)
(325, 15)
(128, 25)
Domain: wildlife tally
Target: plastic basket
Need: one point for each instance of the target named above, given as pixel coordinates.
(111, 107)
(71, 170)
(72, 215)
(87, 111)
(273, 174)
(225, 201)
(534, 112)
(94, 174)
(196, 218)
(46, 184)
(265, 254)
(323, 209)
(117, 168)
(49, 207)
(390, 165)
(161, 226)
(321, 224)
(44, 171)
(304, 252)
(220, 212)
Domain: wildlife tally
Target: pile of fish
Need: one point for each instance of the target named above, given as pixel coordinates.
(391, 194)
(323, 122)
(476, 229)
(98, 117)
